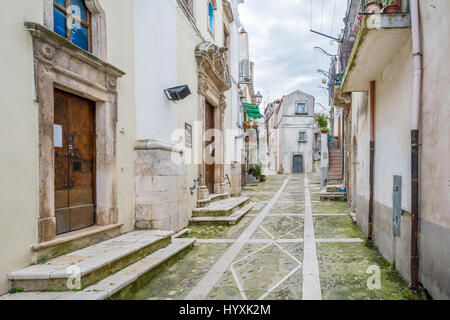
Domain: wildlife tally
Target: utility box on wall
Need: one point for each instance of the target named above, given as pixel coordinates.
(397, 205)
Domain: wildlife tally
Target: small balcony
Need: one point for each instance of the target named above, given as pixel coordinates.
(378, 36)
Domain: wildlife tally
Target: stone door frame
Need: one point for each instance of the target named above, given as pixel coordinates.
(213, 82)
(60, 64)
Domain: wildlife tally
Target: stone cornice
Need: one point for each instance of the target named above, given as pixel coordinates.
(53, 40)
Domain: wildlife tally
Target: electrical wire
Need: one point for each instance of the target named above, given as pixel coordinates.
(334, 17)
(321, 18)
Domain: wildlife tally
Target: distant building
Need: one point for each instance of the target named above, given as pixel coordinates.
(291, 133)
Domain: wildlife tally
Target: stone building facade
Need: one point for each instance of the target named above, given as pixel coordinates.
(291, 131)
(134, 154)
(376, 95)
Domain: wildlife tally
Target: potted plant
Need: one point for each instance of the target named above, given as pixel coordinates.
(255, 125)
(391, 6)
(322, 122)
(373, 7)
(247, 125)
(257, 171)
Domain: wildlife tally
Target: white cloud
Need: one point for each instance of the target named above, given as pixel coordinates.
(282, 46)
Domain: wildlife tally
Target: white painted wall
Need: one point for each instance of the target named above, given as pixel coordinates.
(156, 56)
(19, 140)
(290, 126)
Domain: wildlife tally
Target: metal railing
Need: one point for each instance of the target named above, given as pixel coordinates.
(356, 10)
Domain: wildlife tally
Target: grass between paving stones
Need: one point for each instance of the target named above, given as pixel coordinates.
(336, 227)
(330, 206)
(175, 282)
(218, 231)
(315, 196)
(260, 272)
(281, 228)
(344, 274)
(289, 196)
(259, 196)
(288, 207)
(258, 207)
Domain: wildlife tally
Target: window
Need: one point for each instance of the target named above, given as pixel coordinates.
(302, 136)
(72, 19)
(211, 17)
(301, 108)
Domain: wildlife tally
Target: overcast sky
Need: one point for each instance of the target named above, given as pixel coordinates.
(282, 46)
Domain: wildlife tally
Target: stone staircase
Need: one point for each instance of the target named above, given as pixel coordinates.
(335, 167)
(107, 270)
(333, 192)
(227, 211)
(211, 199)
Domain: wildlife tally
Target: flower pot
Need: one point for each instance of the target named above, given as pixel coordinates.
(373, 7)
(324, 131)
(393, 8)
(255, 127)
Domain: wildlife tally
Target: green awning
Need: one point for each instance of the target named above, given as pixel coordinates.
(252, 110)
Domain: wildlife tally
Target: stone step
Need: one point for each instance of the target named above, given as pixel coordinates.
(332, 195)
(211, 199)
(94, 263)
(334, 188)
(221, 208)
(120, 284)
(336, 177)
(230, 220)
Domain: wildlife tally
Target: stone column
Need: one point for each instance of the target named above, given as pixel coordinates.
(45, 95)
(219, 179)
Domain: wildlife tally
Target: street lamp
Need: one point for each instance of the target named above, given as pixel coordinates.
(324, 52)
(258, 98)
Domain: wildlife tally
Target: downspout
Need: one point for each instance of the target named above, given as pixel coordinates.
(417, 94)
(372, 156)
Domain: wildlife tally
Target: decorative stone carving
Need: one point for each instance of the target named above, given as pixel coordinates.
(112, 83)
(213, 64)
(47, 51)
(202, 84)
(222, 103)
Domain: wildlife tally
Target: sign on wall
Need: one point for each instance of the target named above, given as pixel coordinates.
(188, 135)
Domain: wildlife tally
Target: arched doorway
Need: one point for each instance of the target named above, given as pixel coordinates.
(298, 164)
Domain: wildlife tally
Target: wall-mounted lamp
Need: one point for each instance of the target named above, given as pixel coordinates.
(258, 98)
(177, 93)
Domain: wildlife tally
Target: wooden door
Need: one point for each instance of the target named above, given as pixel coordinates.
(210, 148)
(74, 145)
(298, 164)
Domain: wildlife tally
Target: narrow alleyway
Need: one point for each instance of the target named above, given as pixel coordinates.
(290, 246)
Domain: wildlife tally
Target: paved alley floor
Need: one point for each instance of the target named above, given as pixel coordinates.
(291, 246)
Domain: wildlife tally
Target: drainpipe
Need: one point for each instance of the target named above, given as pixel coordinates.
(372, 156)
(417, 93)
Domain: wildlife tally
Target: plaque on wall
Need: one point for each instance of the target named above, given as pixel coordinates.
(188, 135)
